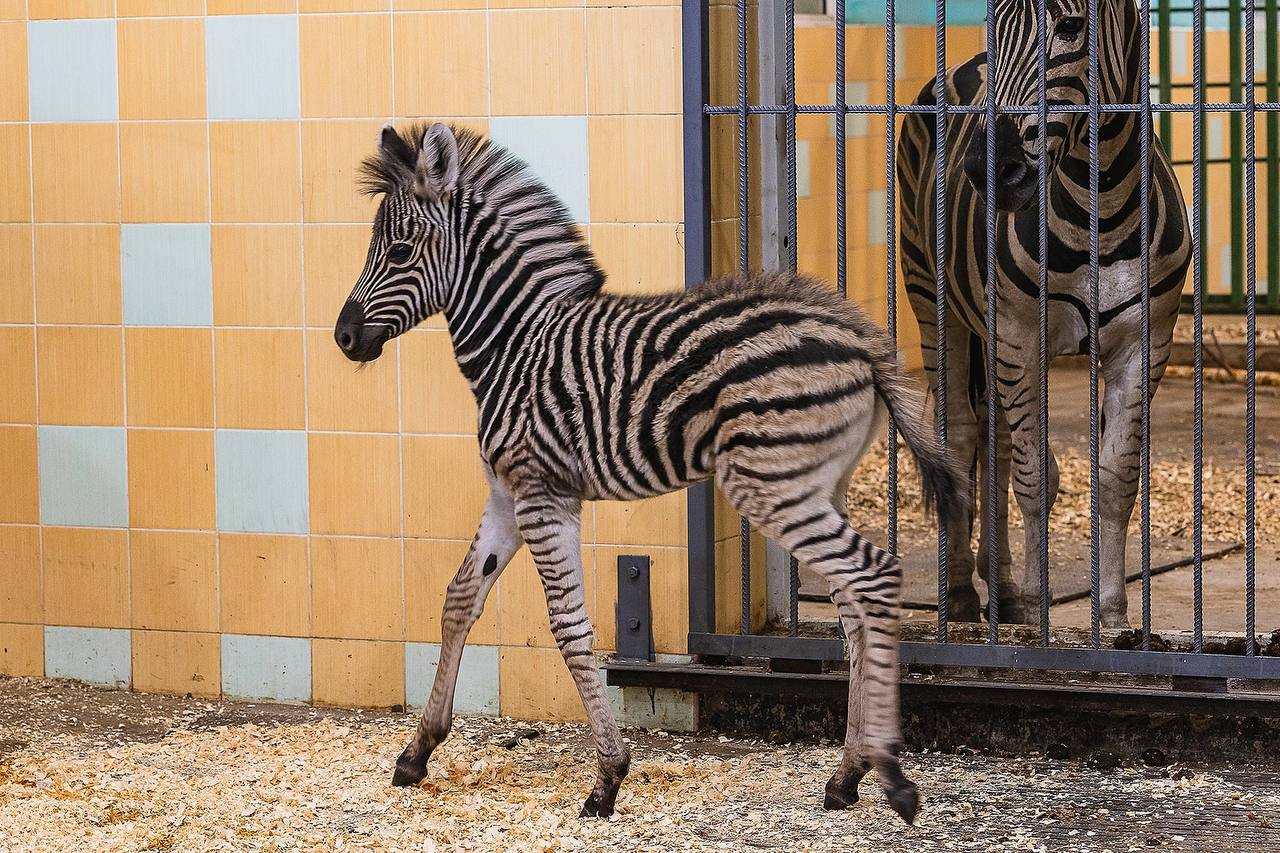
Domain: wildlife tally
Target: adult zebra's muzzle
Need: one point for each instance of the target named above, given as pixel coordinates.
(359, 341)
(1016, 179)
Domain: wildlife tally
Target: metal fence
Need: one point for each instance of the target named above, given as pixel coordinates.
(786, 640)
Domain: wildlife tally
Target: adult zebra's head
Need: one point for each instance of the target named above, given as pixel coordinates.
(1017, 78)
(412, 250)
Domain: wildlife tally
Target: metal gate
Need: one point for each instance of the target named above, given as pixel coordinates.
(761, 118)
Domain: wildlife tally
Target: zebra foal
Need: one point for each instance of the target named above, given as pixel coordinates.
(767, 384)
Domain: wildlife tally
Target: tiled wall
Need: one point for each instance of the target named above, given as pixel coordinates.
(201, 494)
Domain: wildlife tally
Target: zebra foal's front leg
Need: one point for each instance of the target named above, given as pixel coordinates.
(551, 528)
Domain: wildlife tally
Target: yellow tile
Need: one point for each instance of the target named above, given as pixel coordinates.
(15, 178)
(22, 650)
(429, 565)
(171, 479)
(13, 68)
(180, 662)
(173, 581)
(169, 375)
(249, 7)
(259, 378)
(331, 153)
(534, 684)
(633, 160)
(439, 71)
(158, 8)
(78, 273)
(70, 9)
(329, 89)
(13, 10)
(75, 171)
(15, 274)
(434, 5)
(344, 396)
(262, 584)
(20, 596)
(435, 397)
(257, 275)
(531, 4)
(355, 484)
(656, 521)
(18, 374)
(668, 581)
(522, 606)
(356, 589)
(80, 379)
(625, 45)
(254, 169)
(538, 62)
(357, 673)
(161, 66)
(161, 174)
(333, 256)
(20, 498)
(429, 510)
(640, 258)
(86, 577)
(343, 5)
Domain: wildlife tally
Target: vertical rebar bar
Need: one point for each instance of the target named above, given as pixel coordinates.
(940, 281)
(1095, 545)
(1042, 104)
(993, 386)
(891, 283)
(1251, 313)
(793, 565)
(1197, 250)
(1145, 129)
(1272, 31)
(744, 262)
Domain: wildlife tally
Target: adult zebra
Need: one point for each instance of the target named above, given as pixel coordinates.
(1017, 246)
(767, 384)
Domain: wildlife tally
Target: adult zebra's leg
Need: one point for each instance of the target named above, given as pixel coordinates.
(495, 543)
(1006, 593)
(551, 528)
(1119, 474)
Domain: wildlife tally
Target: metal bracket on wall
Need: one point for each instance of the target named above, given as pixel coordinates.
(634, 616)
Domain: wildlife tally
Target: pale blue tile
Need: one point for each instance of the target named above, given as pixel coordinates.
(71, 70)
(802, 169)
(93, 655)
(266, 668)
(166, 275)
(477, 690)
(555, 147)
(262, 480)
(877, 218)
(251, 63)
(84, 477)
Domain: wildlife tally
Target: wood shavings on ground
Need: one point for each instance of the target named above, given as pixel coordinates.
(300, 780)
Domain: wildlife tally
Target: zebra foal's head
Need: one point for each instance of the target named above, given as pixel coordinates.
(1017, 80)
(412, 248)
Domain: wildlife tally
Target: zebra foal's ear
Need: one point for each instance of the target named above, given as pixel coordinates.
(436, 174)
(394, 149)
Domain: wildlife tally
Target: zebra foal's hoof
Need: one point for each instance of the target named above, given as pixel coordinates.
(596, 807)
(905, 800)
(409, 771)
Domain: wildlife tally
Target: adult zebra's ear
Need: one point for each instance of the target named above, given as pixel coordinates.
(436, 174)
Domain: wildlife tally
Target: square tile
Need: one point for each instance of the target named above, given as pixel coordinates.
(435, 396)
(632, 160)
(86, 577)
(93, 655)
(20, 498)
(263, 584)
(356, 588)
(329, 88)
(13, 65)
(169, 377)
(555, 147)
(167, 275)
(252, 66)
(15, 174)
(357, 673)
(71, 70)
(273, 669)
(331, 154)
(669, 579)
(156, 175)
(254, 169)
(77, 273)
(443, 513)
(161, 66)
(538, 62)
(158, 8)
(429, 565)
(75, 171)
(522, 605)
(260, 380)
(171, 479)
(248, 7)
(262, 481)
(477, 687)
(173, 580)
(640, 258)
(439, 71)
(355, 484)
(333, 258)
(627, 44)
(18, 374)
(80, 375)
(536, 685)
(16, 299)
(179, 662)
(436, 5)
(22, 650)
(20, 597)
(655, 521)
(344, 396)
(257, 275)
(344, 5)
(70, 8)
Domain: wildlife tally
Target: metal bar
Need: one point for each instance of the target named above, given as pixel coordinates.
(697, 268)
(1042, 102)
(744, 263)
(1095, 527)
(1197, 248)
(634, 615)
(1251, 314)
(1236, 167)
(940, 281)
(993, 385)
(890, 203)
(973, 109)
(1165, 28)
(1144, 129)
(793, 248)
(1273, 154)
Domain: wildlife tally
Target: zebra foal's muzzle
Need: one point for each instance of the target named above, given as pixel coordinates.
(358, 340)
(1016, 178)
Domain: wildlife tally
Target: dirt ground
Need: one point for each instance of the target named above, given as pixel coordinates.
(92, 770)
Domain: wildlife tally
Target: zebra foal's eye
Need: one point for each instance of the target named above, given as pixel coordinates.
(1069, 27)
(399, 252)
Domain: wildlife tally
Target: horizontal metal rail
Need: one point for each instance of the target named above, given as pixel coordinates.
(972, 109)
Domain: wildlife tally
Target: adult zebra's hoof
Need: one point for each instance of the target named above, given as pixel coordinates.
(839, 797)
(905, 800)
(1014, 611)
(963, 606)
(596, 807)
(409, 770)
